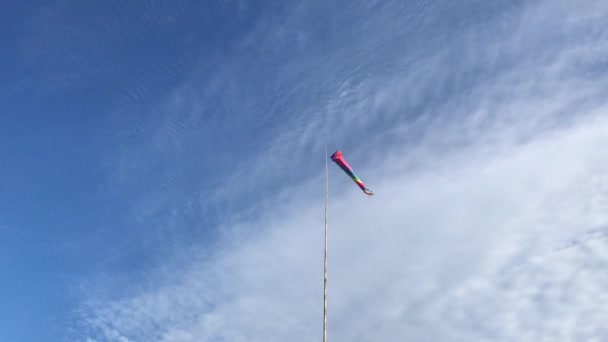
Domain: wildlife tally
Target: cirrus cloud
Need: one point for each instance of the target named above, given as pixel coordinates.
(477, 195)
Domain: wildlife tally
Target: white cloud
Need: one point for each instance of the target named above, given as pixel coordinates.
(476, 195)
(467, 249)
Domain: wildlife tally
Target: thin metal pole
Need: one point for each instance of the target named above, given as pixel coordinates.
(325, 255)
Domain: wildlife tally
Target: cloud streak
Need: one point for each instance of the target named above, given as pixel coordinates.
(496, 168)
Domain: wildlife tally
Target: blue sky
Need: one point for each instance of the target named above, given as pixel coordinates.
(162, 170)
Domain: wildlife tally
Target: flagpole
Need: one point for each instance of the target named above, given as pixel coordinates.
(325, 255)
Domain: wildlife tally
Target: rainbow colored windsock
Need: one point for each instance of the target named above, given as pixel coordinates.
(343, 164)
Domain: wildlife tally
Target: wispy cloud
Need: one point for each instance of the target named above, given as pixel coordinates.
(483, 148)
